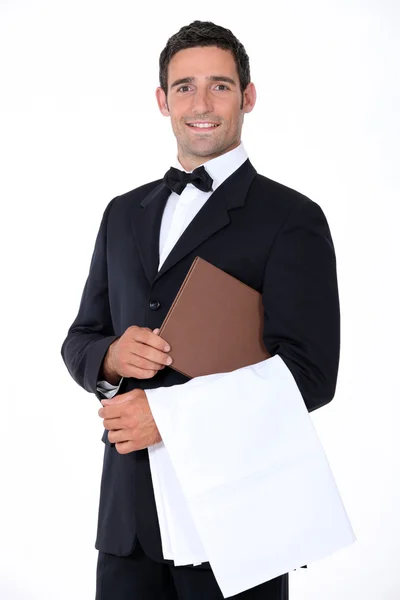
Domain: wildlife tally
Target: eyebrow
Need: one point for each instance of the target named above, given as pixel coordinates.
(211, 78)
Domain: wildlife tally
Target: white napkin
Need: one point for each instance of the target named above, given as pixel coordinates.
(179, 536)
(163, 517)
(244, 476)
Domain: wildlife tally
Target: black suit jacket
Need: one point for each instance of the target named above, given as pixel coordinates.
(267, 235)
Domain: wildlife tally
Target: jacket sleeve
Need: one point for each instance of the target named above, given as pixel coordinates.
(301, 303)
(92, 331)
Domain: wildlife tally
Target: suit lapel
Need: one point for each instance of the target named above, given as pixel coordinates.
(146, 223)
(212, 217)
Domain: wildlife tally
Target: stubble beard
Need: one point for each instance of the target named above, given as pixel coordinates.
(212, 147)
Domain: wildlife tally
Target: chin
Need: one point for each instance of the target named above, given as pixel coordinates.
(206, 149)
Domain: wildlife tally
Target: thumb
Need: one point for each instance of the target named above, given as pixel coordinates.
(156, 331)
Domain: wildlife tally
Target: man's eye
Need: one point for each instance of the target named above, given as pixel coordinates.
(221, 85)
(183, 87)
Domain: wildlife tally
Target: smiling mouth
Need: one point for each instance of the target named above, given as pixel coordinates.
(203, 126)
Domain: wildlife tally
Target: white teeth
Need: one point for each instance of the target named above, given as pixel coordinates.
(202, 125)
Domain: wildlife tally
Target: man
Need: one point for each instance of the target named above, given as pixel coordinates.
(265, 234)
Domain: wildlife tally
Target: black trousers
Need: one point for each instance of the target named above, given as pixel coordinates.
(138, 577)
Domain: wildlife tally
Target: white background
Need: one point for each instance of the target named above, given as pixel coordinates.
(79, 125)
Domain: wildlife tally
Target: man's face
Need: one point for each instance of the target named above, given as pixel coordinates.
(204, 102)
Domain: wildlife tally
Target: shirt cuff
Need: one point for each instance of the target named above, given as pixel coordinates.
(107, 389)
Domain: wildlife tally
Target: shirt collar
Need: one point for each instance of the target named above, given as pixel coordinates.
(221, 167)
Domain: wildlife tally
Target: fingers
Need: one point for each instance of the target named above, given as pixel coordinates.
(144, 357)
(122, 435)
(120, 405)
(112, 423)
(129, 369)
(140, 353)
(145, 336)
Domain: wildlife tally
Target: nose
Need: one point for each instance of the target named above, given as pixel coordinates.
(202, 102)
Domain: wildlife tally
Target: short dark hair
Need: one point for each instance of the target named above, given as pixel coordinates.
(205, 33)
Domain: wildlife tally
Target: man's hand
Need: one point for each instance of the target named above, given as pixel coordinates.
(130, 422)
(139, 353)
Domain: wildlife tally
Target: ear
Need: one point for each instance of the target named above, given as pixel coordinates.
(249, 98)
(162, 102)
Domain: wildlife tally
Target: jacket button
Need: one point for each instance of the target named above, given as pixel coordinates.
(155, 305)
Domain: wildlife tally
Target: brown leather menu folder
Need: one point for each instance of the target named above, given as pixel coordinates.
(215, 324)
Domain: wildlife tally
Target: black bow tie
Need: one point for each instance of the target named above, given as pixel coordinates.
(176, 180)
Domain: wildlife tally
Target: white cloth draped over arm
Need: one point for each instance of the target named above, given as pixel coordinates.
(245, 477)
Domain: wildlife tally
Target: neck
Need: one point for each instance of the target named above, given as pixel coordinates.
(191, 161)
